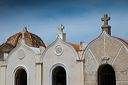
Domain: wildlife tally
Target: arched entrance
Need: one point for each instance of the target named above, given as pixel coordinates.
(106, 75)
(59, 76)
(20, 77)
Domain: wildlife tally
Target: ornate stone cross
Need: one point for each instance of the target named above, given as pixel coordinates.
(105, 19)
(61, 28)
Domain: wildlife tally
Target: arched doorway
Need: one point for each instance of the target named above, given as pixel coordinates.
(59, 76)
(106, 75)
(20, 77)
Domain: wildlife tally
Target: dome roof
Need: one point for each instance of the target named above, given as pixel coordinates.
(30, 39)
(5, 48)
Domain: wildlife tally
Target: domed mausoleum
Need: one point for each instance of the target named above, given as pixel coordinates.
(31, 40)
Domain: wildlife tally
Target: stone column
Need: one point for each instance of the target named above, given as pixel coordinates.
(38, 74)
(3, 68)
(81, 71)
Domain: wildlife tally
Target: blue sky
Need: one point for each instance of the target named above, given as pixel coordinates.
(82, 18)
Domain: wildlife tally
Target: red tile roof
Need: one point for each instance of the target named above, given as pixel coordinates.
(76, 46)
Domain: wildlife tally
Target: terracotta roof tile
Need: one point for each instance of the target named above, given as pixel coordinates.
(30, 39)
(124, 41)
(76, 46)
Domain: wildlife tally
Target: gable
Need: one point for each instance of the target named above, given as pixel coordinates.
(60, 49)
(106, 47)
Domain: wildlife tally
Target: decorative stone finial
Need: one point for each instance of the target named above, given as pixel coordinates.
(61, 28)
(22, 40)
(105, 26)
(23, 31)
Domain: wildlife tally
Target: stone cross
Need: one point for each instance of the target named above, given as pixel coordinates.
(105, 19)
(61, 28)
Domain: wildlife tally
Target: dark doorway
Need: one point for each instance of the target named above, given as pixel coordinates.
(106, 75)
(21, 77)
(59, 76)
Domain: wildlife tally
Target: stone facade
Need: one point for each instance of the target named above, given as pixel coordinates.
(64, 63)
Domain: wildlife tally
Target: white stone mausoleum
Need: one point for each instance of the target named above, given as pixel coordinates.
(26, 60)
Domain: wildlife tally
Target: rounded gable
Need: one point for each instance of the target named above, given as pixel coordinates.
(106, 49)
(52, 49)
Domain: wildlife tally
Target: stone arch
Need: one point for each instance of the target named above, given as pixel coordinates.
(106, 75)
(59, 76)
(20, 77)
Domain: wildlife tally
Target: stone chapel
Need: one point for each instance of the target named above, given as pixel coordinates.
(26, 60)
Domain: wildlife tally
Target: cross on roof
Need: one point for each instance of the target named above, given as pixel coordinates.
(105, 19)
(61, 28)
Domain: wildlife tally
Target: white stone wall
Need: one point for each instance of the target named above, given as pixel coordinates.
(110, 50)
(21, 57)
(67, 58)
